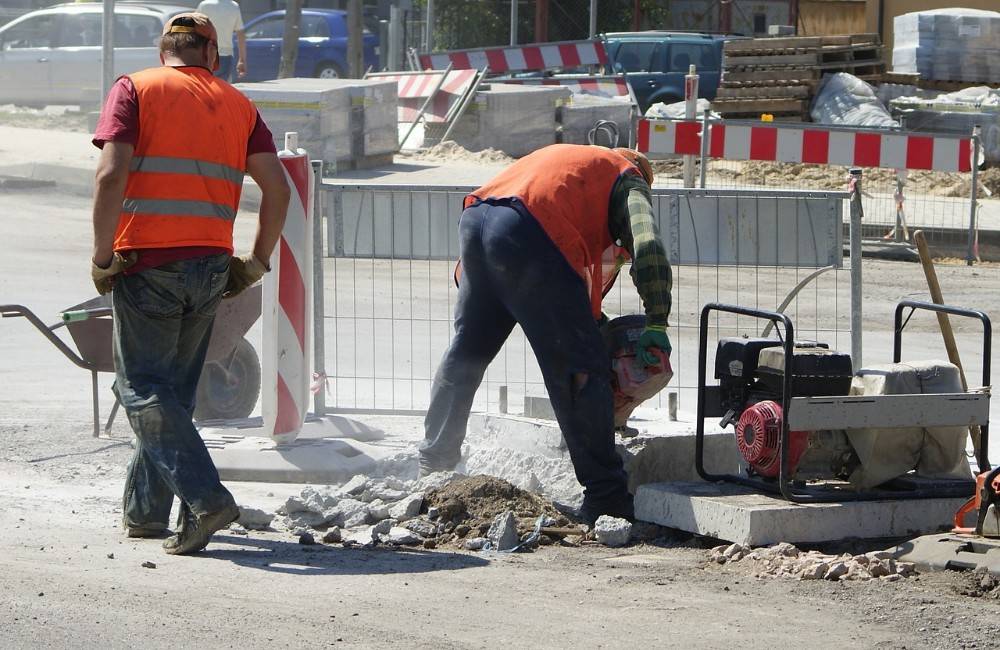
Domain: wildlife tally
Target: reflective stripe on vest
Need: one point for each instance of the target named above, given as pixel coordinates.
(186, 174)
(166, 165)
(567, 188)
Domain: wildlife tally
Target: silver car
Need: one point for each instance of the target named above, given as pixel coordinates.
(53, 56)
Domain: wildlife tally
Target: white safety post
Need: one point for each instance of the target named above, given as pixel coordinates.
(286, 362)
(690, 113)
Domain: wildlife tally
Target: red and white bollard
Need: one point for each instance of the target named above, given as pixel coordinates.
(287, 307)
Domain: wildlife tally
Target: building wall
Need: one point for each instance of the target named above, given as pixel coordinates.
(831, 17)
(745, 15)
(892, 8)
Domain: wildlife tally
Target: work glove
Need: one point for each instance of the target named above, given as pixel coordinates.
(654, 336)
(244, 271)
(104, 278)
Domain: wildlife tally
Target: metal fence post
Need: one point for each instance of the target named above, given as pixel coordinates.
(857, 213)
(319, 343)
(703, 161)
(974, 200)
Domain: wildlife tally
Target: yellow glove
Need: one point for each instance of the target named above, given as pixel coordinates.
(244, 271)
(104, 278)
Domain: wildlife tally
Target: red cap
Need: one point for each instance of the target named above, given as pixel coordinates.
(194, 23)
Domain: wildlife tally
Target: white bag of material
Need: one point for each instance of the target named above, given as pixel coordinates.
(843, 99)
(935, 452)
(676, 111)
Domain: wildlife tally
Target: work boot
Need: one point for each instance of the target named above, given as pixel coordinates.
(147, 532)
(620, 509)
(195, 531)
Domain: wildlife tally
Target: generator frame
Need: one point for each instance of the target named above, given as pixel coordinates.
(852, 412)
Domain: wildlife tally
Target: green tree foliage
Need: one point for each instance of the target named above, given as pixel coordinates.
(460, 24)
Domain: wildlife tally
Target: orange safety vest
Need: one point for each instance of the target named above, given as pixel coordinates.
(567, 189)
(186, 174)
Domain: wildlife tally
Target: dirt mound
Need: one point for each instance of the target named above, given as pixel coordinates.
(449, 151)
(979, 584)
(468, 506)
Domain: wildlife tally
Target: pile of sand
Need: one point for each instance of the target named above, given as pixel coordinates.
(452, 152)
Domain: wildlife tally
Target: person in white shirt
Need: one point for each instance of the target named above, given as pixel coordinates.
(225, 15)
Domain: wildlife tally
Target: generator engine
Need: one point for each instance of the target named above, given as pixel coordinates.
(751, 373)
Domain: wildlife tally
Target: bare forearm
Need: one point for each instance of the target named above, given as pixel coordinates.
(241, 44)
(272, 219)
(109, 191)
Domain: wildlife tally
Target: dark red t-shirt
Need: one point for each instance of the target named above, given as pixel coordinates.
(119, 122)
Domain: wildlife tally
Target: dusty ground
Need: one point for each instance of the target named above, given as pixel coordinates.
(68, 574)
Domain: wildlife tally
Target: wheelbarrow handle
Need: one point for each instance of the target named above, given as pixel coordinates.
(85, 314)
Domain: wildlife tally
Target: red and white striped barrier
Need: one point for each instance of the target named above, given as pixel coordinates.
(520, 58)
(287, 307)
(602, 86)
(805, 144)
(415, 87)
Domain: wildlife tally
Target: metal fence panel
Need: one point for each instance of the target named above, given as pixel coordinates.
(390, 292)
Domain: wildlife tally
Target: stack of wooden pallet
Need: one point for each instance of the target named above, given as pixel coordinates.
(778, 76)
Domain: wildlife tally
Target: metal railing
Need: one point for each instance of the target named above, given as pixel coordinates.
(388, 288)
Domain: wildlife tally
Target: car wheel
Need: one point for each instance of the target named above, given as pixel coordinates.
(328, 70)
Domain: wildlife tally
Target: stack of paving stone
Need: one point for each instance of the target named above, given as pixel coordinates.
(779, 76)
(950, 45)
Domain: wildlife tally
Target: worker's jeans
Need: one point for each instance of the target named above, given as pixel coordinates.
(162, 324)
(512, 272)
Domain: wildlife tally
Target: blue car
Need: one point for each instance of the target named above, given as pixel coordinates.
(322, 45)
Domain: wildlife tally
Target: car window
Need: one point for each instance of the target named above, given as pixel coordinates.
(80, 30)
(314, 27)
(634, 57)
(38, 31)
(702, 56)
(270, 28)
(137, 31)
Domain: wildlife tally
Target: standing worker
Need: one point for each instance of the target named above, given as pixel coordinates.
(538, 248)
(227, 19)
(175, 142)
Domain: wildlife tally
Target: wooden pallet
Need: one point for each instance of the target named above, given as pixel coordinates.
(759, 106)
(762, 45)
(820, 58)
(773, 91)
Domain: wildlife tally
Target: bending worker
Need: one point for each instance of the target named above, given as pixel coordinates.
(540, 246)
(175, 142)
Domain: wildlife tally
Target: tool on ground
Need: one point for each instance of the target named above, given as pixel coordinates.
(632, 381)
(986, 504)
(811, 430)
(943, 322)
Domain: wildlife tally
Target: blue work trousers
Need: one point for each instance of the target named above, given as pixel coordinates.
(513, 273)
(163, 321)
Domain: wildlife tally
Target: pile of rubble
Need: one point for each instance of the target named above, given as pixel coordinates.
(445, 509)
(785, 560)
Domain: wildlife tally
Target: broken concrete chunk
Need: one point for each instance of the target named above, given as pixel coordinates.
(307, 539)
(408, 507)
(382, 493)
(612, 531)
(355, 486)
(836, 570)
(878, 568)
(403, 537)
(815, 571)
(503, 532)
(785, 549)
(475, 544)
(421, 527)
(734, 552)
(237, 529)
(254, 518)
(435, 480)
(378, 510)
(332, 536)
(906, 569)
(383, 527)
(433, 513)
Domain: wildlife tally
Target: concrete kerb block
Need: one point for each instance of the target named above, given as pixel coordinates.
(737, 514)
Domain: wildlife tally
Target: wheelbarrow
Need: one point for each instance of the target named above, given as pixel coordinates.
(230, 381)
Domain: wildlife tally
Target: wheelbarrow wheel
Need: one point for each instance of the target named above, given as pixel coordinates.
(228, 388)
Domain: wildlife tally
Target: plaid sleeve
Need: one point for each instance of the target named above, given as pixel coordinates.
(631, 222)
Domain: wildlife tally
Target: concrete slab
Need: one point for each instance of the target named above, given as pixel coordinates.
(736, 514)
(330, 450)
(948, 551)
(662, 451)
